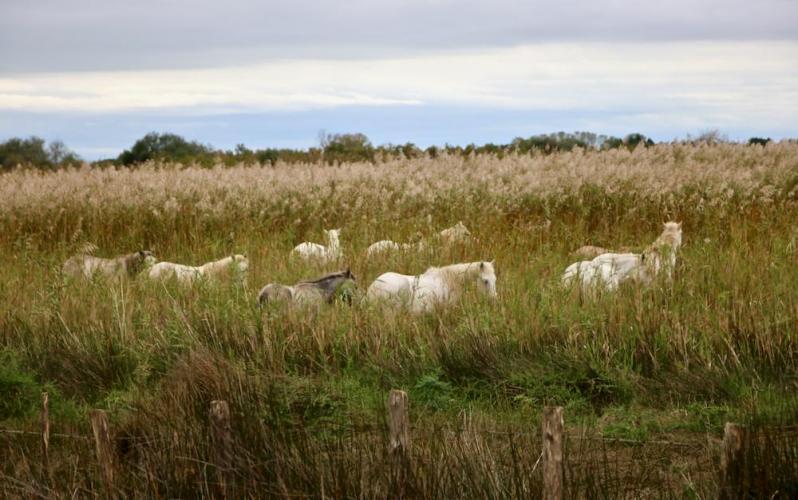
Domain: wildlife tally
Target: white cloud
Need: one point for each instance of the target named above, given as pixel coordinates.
(54, 35)
(732, 81)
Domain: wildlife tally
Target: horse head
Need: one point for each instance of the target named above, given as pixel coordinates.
(487, 276)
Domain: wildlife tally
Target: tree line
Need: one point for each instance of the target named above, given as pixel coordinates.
(333, 148)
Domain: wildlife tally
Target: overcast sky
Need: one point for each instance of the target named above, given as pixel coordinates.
(100, 74)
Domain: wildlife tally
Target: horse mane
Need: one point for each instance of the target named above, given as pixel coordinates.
(451, 268)
(223, 262)
(650, 253)
(133, 262)
(327, 277)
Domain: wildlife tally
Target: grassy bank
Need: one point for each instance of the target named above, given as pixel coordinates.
(307, 388)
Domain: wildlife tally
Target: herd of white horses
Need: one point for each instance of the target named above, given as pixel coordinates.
(601, 270)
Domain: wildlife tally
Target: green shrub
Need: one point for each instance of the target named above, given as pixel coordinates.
(165, 147)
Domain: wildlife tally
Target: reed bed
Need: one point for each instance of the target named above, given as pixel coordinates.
(307, 388)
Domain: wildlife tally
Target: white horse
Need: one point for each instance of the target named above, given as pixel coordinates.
(86, 266)
(388, 245)
(438, 285)
(609, 270)
(458, 232)
(588, 252)
(234, 267)
(314, 251)
(455, 234)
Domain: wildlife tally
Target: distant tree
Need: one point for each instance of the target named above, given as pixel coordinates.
(169, 147)
(710, 136)
(550, 143)
(758, 140)
(537, 142)
(29, 151)
(33, 152)
(312, 155)
(105, 162)
(497, 150)
(269, 156)
(567, 142)
(59, 154)
(324, 138)
(241, 154)
(388, 151)
(410, 150)
(589, 139)
(632, 140)
(347, 148)
(612, 143)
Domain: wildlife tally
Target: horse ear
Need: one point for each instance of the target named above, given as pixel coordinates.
(679, 224)
(482, 265)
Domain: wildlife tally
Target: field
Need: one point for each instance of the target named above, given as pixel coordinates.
(647, 377)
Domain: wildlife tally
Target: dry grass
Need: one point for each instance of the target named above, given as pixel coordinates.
(719, 343)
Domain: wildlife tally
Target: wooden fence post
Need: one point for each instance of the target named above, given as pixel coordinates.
(399, 443)
(102, 443)
(552, 453)
(45, 429)
(221, 443)
(731, 461)
(399, 422)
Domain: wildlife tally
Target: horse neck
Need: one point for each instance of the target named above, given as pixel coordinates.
(215, 264)
(332, 285)
(322, 283)
(460, 270)
(652, 258)
(333, 242)
(132, 263)
(669, 239)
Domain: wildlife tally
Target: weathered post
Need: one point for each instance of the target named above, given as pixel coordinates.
(399, 422)
(731, 461)
(552, 453)
(45, 429)
(221, 444)
(102, 443)
(399, 444)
